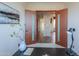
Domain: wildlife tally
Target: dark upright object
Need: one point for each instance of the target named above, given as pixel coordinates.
(70, 51)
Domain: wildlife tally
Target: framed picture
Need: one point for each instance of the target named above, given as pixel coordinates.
(8, 15)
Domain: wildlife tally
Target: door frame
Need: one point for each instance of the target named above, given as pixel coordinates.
(58, 12)
(49, 11)
(35, 39)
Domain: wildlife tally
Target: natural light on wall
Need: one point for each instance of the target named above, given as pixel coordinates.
(54, 23)
(42, 25)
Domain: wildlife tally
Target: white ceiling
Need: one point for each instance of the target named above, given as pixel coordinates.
(44, 5)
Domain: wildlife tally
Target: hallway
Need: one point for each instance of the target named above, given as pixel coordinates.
(39, 27)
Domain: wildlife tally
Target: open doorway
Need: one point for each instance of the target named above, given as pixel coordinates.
(49, 27)
(53, 32)
(46, 27)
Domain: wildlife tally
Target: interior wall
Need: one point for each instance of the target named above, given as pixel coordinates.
(73, 22)
(9, 44)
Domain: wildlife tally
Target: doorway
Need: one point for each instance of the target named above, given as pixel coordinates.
(46, 27)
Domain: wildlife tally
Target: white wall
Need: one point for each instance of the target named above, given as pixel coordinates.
(73, 21)
(44, 6)
(8, 44)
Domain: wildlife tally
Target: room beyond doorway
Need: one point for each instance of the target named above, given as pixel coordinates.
(46, 27)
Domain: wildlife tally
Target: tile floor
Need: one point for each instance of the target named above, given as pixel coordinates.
(45, 45)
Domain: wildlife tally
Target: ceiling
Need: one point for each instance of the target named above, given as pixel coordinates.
(44, 5)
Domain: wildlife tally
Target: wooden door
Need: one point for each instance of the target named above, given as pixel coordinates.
(61, 39)
(31, 27)
(40, 35)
